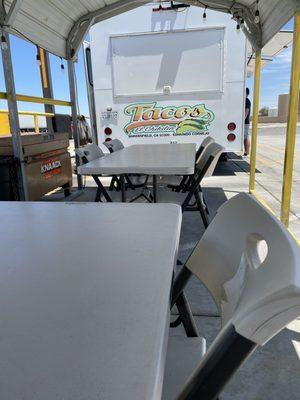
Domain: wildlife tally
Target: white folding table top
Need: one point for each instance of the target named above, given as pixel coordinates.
(84, 294)
(150, 159)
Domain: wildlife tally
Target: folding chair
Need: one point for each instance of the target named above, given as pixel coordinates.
(117, 145)
(182, 187)
(203, 169)
(89, 153)
(251, 265)
(114, 145)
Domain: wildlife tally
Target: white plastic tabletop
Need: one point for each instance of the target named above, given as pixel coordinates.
(84, 294)
(150, 159)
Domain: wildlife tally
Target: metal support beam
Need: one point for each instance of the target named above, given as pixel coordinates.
(47, 86)
(81, 32)
(14, 118)
(12, 13)
(255, 119)
(72, 83)
(90, 89)
(292, 125)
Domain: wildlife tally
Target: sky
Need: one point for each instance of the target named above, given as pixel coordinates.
(274, 78)
(28, 81)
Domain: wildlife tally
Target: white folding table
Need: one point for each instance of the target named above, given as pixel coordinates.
(148, 159)
(84, 294)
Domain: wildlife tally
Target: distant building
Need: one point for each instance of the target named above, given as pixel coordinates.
(283, 105)
(279, 114)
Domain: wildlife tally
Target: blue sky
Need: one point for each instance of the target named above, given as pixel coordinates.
(27, 77)
(274, 77)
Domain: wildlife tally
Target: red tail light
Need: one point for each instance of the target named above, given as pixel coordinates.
(108, 139)
(231, 126)
(107, 131)
(231, 137)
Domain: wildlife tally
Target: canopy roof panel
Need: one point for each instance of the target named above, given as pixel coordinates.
(275, 46)
(60, 26)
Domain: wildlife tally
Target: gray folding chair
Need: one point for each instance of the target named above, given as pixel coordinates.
(251, 265)
(183, 185)
(114, 145)
(89, 153)
(203, 169)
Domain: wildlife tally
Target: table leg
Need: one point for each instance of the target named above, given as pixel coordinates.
(101, 190)
(154, 189)
(123, 188)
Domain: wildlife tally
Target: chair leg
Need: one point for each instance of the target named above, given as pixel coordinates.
(187, 200)
(180, 187)
(130, 184)
(188, 184)
(149, 199)
(203, 199)
(114, 184)
(186, 316)
(183, 183)
(201, 209)
(111, 185)
(98, 196)
(176, 323)
(101, 190)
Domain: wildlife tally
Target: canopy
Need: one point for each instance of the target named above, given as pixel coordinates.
(60, 26)
(275, 46)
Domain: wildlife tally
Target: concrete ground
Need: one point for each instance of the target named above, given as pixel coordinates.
(273, 371)
(269, 176)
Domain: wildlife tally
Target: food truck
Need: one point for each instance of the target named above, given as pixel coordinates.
(159, 75)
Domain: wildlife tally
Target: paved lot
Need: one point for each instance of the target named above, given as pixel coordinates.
(269, 172)
(270, 161)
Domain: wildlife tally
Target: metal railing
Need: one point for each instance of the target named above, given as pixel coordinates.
(35, 116)
(38, 100)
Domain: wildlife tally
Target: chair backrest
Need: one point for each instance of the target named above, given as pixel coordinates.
(89, 153)
(203, 145)
(256, 287)
(114, 145)
(251, 265)
(212, 151)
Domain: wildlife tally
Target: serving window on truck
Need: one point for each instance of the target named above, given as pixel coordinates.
(147, 64)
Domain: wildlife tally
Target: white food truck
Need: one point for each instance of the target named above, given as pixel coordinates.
(167, 76)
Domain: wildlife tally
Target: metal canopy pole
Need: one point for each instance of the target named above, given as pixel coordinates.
(14, 118)
(47, 86)
(72, 84)
(255, 120)
(291, 125)
(90, 90)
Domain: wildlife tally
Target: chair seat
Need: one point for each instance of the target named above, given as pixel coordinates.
(183, 356)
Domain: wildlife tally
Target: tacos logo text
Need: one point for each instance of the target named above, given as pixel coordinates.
(147, 119)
